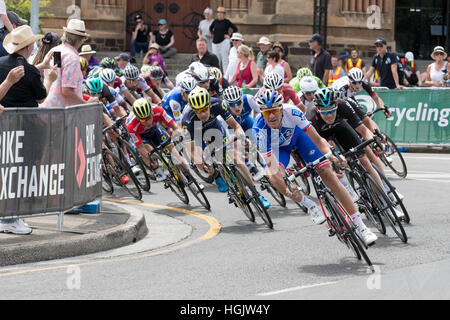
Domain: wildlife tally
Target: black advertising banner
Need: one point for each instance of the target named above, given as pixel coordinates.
(49, 159)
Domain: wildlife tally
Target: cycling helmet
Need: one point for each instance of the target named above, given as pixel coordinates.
(199, 98)
(142, 108)
(95, 73)
(94, 85)
(308, 84)
(108, 63)
(156, 72)
(273, 81)
(83, 63)
(215, 73)
(145, 68)
(355, 75)
(338, 94)
(304, 72)
(269, 99)
(188, 83)
(324, 98)
(199, 72)
(232, 94)
(107, 75)
(131, 72)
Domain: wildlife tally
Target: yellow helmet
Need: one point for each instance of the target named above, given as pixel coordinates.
(83, 63)
(142, 108)
(199, 98)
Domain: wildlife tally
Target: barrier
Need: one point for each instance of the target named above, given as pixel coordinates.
(49, 159)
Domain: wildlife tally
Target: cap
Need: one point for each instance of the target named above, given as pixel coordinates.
(237, 36)
(51, 38)
(138, 16)
(409, 55)
(15, 19)
(154, 46)
(264, 40)
(380, 40)
(162, 22)
(316, 37)
(343, 55)
(123, 56)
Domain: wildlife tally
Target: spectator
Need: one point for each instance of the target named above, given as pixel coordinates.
(321, 59)
(204, 56)
(5, 27)
(261, 59)
(246, 74)
(203, 28)
(278, 47)
(354, 61)
(273, 64)
(221, 38)
(165, 39)
(49, 41)
(154, 58)
(437, 70)
(140, 38)
(412, 73)
(386, 63)
(123, 60)
(67, 89)
(88, 54)
(337, 71)
(233, 60)
(14, 75)
(342, 61)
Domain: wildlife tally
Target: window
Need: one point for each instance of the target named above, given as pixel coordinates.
(362, 5)
(108, 2)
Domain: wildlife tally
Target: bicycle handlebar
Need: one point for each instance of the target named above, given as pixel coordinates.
(115, 124)
(292, 177)
(353, 150)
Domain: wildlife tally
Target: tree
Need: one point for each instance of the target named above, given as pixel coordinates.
(23, 8)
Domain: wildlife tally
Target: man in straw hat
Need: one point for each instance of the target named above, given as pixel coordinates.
(88, 54)
(67, 89)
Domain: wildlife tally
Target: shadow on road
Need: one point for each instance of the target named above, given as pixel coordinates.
(346, 266)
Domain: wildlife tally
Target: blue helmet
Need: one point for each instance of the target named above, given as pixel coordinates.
(269, 99)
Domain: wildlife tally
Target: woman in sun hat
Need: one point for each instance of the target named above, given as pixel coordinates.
(437, 70)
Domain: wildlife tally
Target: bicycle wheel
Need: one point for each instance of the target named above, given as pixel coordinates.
(130, 155)
(384, 205)
(393, 158)
(347, 227)
(365, 203)
(107, 184)
(392, 190)
(198, 193)
(253, 197)
(118, 169)
(277, 195)
(174, 180)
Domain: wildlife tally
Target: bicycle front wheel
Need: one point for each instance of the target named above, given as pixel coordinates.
(393, 158)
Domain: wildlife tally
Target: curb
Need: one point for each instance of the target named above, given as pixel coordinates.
(133, 230)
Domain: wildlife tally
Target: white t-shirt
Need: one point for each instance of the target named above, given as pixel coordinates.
(2, 11)
(278, 69)
(437, 75)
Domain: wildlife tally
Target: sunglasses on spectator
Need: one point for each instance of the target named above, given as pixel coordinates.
(325, 112)
(379, 45)
(234, 104)
(270, 111)
(145, 119)
(198, 111)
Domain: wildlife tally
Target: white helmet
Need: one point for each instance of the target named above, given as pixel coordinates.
(131, 72)
(308, 84)
(107, 75)
(232, 94)
(355, 75)
(188, 83)
(199, 71)
(273, 81)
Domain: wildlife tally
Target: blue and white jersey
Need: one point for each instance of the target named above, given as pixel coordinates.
(249, 105)
(269, 139)
(174, 104)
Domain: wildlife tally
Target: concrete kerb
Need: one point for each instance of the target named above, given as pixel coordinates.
(133, 230)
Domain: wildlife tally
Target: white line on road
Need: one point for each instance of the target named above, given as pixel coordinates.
(272, 293)
(427, 158)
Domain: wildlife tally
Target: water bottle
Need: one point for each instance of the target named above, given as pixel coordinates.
(243, 86)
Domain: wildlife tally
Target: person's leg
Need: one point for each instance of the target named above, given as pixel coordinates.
(169, 53)
(225, 51)
(133, 48)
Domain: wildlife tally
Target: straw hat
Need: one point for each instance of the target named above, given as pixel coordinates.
(76, 27)
(86, 49)
(154, 45)
(19, 38)
(264, 40)
(439, 49)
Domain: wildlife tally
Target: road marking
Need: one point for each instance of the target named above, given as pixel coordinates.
(427, 158)
(272, 293)
(214, 229)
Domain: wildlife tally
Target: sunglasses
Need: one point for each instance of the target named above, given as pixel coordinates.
(356, 82)
(198, 111)
(270, 111)
(234, 104)
(379, 45)
(145, 119)
(326, 112)
(309, 93)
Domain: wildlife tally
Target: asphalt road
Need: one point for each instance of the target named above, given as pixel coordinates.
(224, 256)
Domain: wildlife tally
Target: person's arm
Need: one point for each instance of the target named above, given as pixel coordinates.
(50, 78)
(369, 73)
(45, 64)
(364, 132)
(6, 22)
(394, 69)
(254, 71)
(71, 95)
(13, 77)
(326, 76)
(2, 108)
(288, 72)
(171, 43)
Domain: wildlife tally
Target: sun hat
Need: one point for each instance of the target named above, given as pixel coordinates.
(86, 49)
(438, 49)
(19, 38)
(409, 55)
(237, 36)
(76, 26)
(264, 40)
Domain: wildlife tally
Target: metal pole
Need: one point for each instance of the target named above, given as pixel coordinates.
(34, 18)
(325, 26)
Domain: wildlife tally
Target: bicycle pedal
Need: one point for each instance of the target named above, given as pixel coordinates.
(166, 186)
(331, 232)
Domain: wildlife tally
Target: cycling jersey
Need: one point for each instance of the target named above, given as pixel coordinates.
(343, 86)
(292, 135)
(119, 85)
(290, 94)
(136, 128)
(174, 104)
(295, 83)
(245, 119)
(216, 87)
(140, 87)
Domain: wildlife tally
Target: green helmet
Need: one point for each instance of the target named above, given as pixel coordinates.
(145, 68)
(94, 85)
(304, 72)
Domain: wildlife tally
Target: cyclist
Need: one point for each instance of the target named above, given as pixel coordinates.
(202, 115)
(137, 85)
(201, 74)
(218, 83)
(275, 81)
(278, 130)
(108, 77)
(84, 67)
(110, 63)
(96, 88)
(144, 129)
(304, 72)
(174, 101)
(154, 76)
(308, 87)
